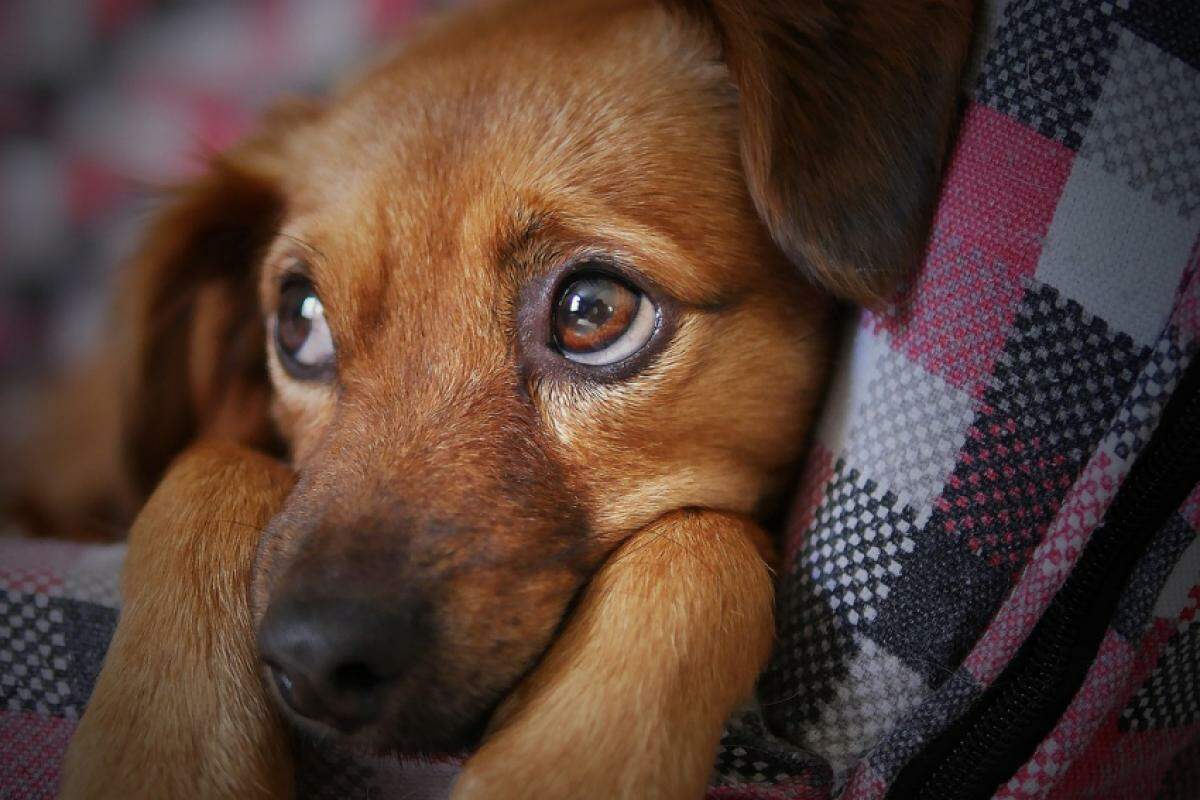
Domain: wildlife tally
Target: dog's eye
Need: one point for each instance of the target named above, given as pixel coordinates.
(600, 320)
(301, 333)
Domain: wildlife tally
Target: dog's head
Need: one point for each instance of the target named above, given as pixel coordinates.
(546, 274)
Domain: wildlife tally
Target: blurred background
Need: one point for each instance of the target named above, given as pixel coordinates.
(102, 102)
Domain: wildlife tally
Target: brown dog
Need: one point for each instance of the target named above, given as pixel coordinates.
(548, 301)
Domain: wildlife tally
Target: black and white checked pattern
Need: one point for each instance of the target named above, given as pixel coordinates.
(860, 535)
(1047, 65)
(931, 618)
(1146, 129)
(1062, 372)
(877, 691)
(35, 662)
(51, 651)
(750, 754)
(810, 658)
(853, 554)
(1170, 697)
(909, 429)
(1160, 373)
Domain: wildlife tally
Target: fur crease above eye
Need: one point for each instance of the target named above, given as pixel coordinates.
(302, 336)
(599, 320)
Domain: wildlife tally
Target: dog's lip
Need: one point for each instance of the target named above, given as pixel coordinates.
(374, 741)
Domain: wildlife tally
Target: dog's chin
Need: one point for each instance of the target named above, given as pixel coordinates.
(385, 738)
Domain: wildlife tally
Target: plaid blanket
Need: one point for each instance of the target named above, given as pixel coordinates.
(979, 432)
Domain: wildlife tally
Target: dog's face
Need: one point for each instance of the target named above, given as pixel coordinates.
(525, 287)
(497, 322)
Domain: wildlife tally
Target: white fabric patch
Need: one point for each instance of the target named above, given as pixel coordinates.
(1116, 252)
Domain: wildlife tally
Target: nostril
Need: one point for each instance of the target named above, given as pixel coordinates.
(356, 677)
(295, 692)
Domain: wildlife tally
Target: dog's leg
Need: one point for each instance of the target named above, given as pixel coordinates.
(178, 710)
(629, 702)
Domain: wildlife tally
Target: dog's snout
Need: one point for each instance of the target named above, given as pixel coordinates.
(337, 660)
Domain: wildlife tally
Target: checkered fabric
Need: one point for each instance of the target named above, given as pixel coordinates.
(982, 424)
(976, 433)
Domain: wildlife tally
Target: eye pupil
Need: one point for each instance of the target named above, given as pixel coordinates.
(589, 311)
(295, 319)
(593, 312)
(301, 333)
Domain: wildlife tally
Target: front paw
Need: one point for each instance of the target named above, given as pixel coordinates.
(629, 702)
(178, 710)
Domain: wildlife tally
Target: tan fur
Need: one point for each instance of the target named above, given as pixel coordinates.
(667, 693)
(178, 710)
(591, 544)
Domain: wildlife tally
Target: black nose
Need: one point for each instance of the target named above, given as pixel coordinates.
(336, 660)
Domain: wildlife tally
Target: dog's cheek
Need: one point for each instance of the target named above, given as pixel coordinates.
(717, 422)
(301, 413)
(492, 629)
(500, 622)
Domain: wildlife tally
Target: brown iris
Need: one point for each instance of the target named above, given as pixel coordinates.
(593, 312)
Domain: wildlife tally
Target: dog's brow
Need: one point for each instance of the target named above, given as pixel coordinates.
(518, 234)
(311, 250)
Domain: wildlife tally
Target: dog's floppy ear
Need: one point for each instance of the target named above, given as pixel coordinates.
(845, 107)
(192, 330)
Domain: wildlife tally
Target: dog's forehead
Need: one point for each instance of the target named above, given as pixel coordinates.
(423, 172)
(474, 127)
